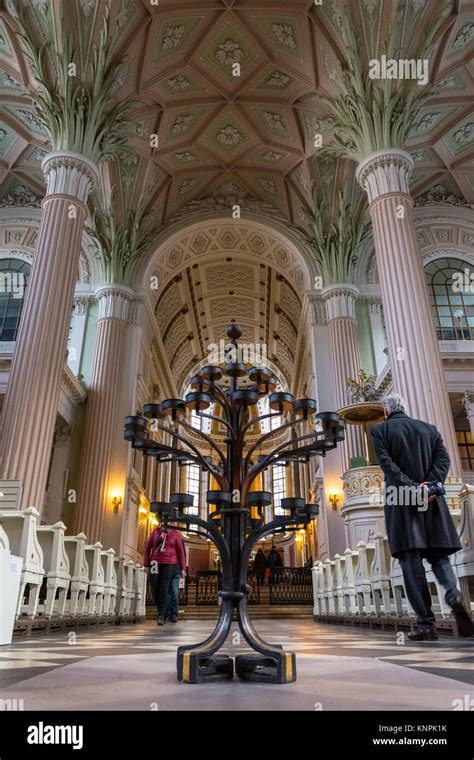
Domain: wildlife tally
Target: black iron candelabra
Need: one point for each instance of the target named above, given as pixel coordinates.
(235, 522)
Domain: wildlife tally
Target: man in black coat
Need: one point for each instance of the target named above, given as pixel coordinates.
(411, 454)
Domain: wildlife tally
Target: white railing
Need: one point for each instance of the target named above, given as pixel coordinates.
(367, 581)
(80, 580)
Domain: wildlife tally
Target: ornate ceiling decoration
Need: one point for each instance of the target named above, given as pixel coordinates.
(225, 273)
(232, 90)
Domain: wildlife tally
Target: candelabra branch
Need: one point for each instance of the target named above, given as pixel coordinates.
(264, 437)
(220, 420)
(207, 438)
(261, 417)
(198, 456)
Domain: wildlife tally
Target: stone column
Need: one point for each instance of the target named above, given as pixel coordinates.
(379, 341)
(29, 413)
(468, 404)
(340, 313)
(416, 366)
(330, 525)
(101, 425)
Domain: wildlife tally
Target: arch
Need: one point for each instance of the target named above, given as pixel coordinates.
(14, 275)
(452, 307)
(171, 237)
(27, 220)
(438, 226)
(217, 270)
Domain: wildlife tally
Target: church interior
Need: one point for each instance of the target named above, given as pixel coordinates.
(185, 181)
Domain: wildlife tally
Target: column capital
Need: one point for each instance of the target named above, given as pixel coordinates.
(340, 300)
(81, 302)
(385, 171)
(318, 309)
(374, 304)
(69, 173)
(114, 302)
(468, 403)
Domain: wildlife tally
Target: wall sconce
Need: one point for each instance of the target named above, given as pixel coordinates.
(333, 498)
(143, 510)
(116, 501)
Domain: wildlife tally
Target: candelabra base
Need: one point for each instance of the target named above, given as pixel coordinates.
(255, 667)
(198, 667)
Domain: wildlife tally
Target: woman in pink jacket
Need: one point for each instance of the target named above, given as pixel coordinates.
(164, 558)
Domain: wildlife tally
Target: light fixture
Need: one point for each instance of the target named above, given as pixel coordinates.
(334, 498)
(116, 501)
(143, 510)
(235, 527)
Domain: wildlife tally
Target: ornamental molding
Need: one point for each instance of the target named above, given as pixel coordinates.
(340, 301)
(34, 220)
(7, 347)
(384, 380)
(367, 482)
(318, 306)
(16, 254)
(263, 210)
(447, 253)
(81, 304)
(467, 402)
(114, 302)
(72, 386)
(21, 197)
(63, 434)
(366, 267)
(69, 173)
(385, 171)
(135, 315)
(374, 303)
(438, 194)
(447, 214)
(228, 53)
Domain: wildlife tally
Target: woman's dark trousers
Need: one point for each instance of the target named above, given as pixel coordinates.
(161, 585)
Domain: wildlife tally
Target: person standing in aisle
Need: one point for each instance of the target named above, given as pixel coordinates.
(164, 558)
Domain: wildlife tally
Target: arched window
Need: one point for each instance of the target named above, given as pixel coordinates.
(14, 275)
(278, 488)
(199, 422)
(193, 486)
(451, 298)
(271, 423)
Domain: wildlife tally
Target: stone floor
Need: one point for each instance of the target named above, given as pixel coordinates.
(134, 667)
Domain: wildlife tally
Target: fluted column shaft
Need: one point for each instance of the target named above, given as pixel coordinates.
(32, 396)
(340, 314)
(417, 370)
(378, 336)
(100, 425)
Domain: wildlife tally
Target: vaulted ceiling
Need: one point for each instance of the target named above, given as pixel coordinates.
(220, 273)
(240, 134)
(232, 89)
